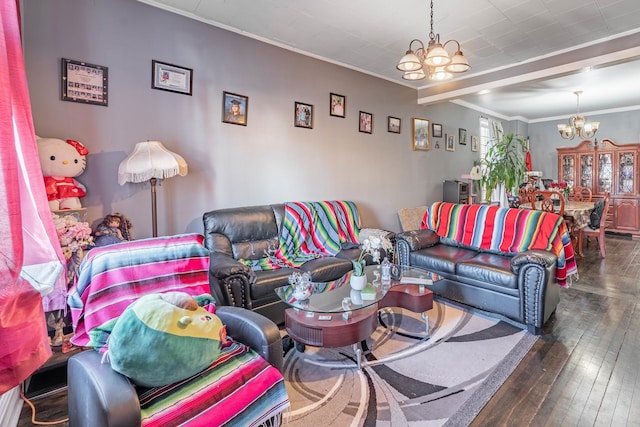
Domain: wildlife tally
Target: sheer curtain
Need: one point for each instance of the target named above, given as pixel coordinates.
(30, 255)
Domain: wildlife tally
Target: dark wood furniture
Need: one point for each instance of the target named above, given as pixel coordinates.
(610, 168)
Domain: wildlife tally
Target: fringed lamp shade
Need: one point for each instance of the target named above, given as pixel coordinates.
(151, 161)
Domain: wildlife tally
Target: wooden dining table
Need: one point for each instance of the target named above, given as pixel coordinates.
(580, 212)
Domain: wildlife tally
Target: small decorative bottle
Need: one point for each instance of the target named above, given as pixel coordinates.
(385, 267)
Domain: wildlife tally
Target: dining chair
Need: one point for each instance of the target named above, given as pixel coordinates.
(546, 201)
(525, 194)
(581, 194)
(598, 233)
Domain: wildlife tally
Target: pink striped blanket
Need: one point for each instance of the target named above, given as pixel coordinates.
(505, 230)
(239, 388)
(111, 277)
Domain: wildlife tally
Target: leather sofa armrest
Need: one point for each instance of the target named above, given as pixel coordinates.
(544, 258)
(410, 241)
(98, 396)
(418, 239)
(254, 330)
(230, 280)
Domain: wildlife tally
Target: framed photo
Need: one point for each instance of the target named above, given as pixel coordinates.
(437, 130)
(235, 108)
(303, 115)
(84, 82)
(474, 143)
(450, 142)
(393, 125)
(462, 136)
(365, 122)
(421, 135)
(525, 146)
(337, 105)
(171, 78)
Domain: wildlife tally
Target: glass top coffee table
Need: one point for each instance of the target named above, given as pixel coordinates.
(334, 315)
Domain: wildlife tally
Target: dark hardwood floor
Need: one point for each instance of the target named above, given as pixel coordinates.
(584, 369)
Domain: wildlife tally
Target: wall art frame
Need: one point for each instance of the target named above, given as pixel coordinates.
(303, 115)
(235, 108)
(420, 134)
(337, 105)
(393, 124)
(365, 122)
(462, 136)
(85, 83)
(437, 130)
(450, 142)
(171, 78)
(474, 143)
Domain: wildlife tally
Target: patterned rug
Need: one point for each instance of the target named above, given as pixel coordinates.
(410, 378)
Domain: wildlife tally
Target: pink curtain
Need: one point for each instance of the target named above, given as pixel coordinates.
(30, 255)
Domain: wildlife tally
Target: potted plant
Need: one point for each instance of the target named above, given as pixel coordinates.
(504, 165)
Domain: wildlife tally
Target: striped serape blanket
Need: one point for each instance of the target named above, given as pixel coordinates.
(505, 230)
(239, 388)
(111, 277)
(312, 230)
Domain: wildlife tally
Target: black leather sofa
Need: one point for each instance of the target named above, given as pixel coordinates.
(520, 286)
(247, 233)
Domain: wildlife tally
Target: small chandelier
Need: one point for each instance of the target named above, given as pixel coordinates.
(578, 125)
(434, 61)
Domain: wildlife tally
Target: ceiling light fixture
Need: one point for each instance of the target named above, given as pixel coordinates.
(434, 61)
(578, 124)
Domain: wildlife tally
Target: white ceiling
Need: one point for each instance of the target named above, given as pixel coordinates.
(531, 54)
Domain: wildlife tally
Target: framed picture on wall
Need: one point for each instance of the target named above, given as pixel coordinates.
(365, 122)
(420, 134)
(450, 142)
(235, 108)
(303, 115)
(474, 143)
(84, 82)
(437, 130)
(393, 125)
(337, 105)
(171, 78)
(462, 136)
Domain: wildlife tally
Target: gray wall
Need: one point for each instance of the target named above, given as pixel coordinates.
(268, 161)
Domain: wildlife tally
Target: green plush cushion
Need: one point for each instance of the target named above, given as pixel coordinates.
(155, 342)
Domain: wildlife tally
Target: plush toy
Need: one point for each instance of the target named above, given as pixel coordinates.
(61, 161)
(164, 338)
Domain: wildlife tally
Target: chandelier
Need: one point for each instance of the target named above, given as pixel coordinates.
(433, 62)
(578, 124)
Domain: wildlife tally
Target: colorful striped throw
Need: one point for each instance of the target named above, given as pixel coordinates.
(312, 230)
(111, 277)
(505, 230)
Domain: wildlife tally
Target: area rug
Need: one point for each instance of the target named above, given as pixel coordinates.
(411, 377)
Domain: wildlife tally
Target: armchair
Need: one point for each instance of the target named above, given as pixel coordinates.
(113, 277)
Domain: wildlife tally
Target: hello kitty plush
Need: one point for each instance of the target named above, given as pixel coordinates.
(61, 161)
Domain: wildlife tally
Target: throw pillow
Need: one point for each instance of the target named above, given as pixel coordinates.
(596, 215)
(164, 338)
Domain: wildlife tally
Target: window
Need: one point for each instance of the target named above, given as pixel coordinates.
(484, 148)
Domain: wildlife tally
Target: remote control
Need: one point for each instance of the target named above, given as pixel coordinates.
(324, 317)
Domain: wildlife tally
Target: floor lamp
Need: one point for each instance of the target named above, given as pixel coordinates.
(151, 161)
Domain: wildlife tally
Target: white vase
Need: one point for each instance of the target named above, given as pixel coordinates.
(358, 282)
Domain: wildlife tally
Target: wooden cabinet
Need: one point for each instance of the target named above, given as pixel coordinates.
(613, 168)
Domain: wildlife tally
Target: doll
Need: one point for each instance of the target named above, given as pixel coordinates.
(114, 228)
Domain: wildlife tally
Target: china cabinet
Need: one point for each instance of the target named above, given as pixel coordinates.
(611, 167)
